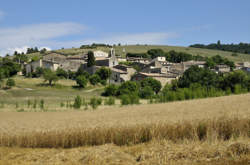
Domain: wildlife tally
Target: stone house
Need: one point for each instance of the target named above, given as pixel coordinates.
(32, 66)
(163, 78)
(121, 73)
(222, 69)
(188, 64)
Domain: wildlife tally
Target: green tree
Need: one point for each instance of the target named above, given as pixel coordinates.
(81, 81)
(50, 76)
(153, 83)
(77, 103)
(94, 79)
(146, 92)
(104, 73)
(61, 73)
(10, 83)
(128, 87)
(91, 59)
(111, 90)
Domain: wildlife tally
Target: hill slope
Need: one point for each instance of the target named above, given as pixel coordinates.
(145, 48)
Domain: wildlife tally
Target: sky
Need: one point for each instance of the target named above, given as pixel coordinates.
(54, 24)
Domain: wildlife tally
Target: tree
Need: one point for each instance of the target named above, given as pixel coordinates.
(110, 90)
(153, 83)
(156, 53)
(10, 83)
(81, 81)
(50, 77)
(61, 73)
(77, 103)
(94, 79)
(104, 73)
(128, 87)
(146, 93)
(82, 72)
(91, 59)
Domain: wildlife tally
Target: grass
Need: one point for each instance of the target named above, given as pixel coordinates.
(145, 48)
(33, 89)
(206, 131)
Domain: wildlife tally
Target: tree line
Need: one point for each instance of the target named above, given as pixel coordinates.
(194, 83)
(237, 48)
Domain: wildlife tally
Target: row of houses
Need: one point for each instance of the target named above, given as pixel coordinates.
(158, 68)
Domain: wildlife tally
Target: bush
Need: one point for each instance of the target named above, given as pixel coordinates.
(62, 73)
(81, 81)
(110, 90)
(146, 93)
(110, 101)
(130, 99)
(153, 83)
(94, 79)
(10, 83)
(77, 103)
(41, 104)
(50, 77)
(125, 100)
(128, 87)
(95, 102)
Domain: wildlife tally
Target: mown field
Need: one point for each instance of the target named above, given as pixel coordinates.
(145, 48)
(205, 131)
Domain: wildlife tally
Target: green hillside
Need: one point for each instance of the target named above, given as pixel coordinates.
(144, 48)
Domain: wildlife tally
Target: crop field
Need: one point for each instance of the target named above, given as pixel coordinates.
(205, 131)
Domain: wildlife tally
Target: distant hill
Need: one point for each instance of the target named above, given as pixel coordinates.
(236, 48)
(122, 50)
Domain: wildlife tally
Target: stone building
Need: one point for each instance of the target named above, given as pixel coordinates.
(32, 66)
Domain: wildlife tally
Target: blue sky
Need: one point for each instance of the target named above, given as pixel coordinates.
(71, 23)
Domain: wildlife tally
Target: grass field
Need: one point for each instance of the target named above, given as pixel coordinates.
(33, 89)
(206, 131)
(145, 48)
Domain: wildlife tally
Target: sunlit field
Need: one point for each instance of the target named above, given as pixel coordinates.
(205, 131)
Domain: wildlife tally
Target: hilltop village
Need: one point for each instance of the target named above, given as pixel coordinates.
(125, 68)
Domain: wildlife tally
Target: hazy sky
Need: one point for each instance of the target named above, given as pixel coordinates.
(71, 23)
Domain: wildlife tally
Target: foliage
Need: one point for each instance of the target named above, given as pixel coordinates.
(146, 92)
(82, 72)
(109, 101)
(95, 102)
(32, 50)
(110, 90)
(91, 59)
(128, 87)
(20, 58)
(138, 55)
(202, 76)
(78, 102)
(61, 73)
(94, 79)
(81, 81)
(9, 68)
(50, 76)
(237, 48)
(104, 73)
(156, 53)
(10, 83)
(130, 99)
(153, 83)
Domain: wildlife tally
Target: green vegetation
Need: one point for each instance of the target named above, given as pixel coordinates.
(50, 76)
(237, 48)
(81, 81)
(10, 83)
(91, 59)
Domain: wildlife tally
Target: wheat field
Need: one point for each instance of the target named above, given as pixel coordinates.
(205, 131)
